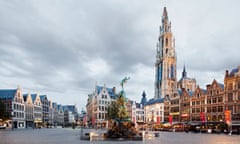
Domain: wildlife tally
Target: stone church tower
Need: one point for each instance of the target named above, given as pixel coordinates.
(165, 66)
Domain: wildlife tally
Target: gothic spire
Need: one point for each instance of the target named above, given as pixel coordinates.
(165, 12)
(184, 73)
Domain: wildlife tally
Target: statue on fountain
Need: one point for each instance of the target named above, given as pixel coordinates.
(122, 126)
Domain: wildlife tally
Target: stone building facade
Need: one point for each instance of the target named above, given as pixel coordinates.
(232, 93)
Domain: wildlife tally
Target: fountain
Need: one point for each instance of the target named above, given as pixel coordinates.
(121, 128)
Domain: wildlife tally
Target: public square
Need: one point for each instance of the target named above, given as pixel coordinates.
(72, 136)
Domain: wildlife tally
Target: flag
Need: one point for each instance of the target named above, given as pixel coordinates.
(85, 120)
(158, 120)
(227, 114)
(202, 117)
(170, 119)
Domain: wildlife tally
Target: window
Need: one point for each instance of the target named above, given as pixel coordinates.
(220, 99)
(166, 50)
(230, 97)
(198, 95)
(193, 103)
(239, 85)
(230, 86)
(208, 101)
(220, 108)
(166, 41)
(214, 109)
(209, 109)
(230, 108)
(215, 100)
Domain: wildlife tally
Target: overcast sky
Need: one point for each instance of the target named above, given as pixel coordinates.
(62, 48)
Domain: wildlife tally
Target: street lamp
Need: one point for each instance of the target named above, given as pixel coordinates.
(12, 114)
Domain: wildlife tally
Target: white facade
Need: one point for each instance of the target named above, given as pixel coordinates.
(154, 113)
(28, 110)
(98, 103)
(18, 110)
(37, 110)
(137, 113)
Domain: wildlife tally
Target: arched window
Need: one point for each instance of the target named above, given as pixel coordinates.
(166, 41)
(172, 71)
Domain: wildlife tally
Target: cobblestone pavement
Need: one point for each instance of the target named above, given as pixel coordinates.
(70, 136)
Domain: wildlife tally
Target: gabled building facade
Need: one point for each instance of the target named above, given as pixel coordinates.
(55, 113)
(29, 117)
(154, 111)
(45, 109)
(232, 93)
(37, 110)
(51, 113)
(60, 118)
(70, 114)
(97, 105)
(15, 106)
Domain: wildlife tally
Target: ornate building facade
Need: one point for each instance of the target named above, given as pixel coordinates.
(232, 93)
(15, 106)
(97, 105)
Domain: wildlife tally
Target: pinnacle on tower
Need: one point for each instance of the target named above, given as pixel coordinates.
(184, 73)
(165, 12)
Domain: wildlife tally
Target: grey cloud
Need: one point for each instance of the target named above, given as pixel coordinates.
(47, 46)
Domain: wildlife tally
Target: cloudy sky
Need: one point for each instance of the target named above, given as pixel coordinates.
(63, 48)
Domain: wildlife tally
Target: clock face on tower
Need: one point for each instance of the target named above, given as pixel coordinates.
(171, 53)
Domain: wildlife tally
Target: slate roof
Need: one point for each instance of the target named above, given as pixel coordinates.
(180, 92)
(204, 91)
(190, 93)
(25, 97)
(7, 93)
(42, 97)
(34, 96)
(109, 90)
(154, 101)
(138, 105)
(59, 107)
(71, 108)
(221, 85)
(54, 104)
(235, 70)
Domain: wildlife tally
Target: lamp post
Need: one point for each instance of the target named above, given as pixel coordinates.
(12, 114)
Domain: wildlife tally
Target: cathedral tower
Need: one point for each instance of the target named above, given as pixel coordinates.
(165, 66)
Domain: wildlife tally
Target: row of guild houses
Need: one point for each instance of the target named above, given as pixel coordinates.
(197, 104)
(34, 110)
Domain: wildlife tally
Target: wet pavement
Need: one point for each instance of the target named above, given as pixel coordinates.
(70, 136)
